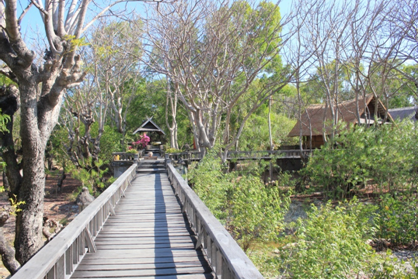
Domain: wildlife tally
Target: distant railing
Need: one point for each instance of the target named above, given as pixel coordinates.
(60, 257)
(122, 156)
(195, 155)
(268, 154)
(226, 258)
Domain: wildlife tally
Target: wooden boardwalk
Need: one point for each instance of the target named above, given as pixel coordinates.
(147, 238)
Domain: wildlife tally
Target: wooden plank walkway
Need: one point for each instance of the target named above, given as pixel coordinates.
(147, 238)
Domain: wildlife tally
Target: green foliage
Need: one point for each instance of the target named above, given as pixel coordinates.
(255, 135)
(256, 210)
(4, 119)
(265, 257)
(4, 80)
(388, 267)
(76, 42)
(91, 175)
(13, 200)
(330, 243)
(15, 205)
(248, 208)
(398, 218)
(386, 156)
(132, 151)
(212, 185)
(172, 150)
(110, 142)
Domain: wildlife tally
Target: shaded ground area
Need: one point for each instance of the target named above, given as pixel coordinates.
(60, 207)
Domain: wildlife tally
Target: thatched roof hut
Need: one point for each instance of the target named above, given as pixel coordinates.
(313, 118)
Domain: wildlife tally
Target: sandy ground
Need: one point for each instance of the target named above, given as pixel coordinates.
(57, 206)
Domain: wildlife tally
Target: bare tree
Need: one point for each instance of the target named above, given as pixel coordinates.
(359, 48)
(40, 89)
(218, 49)
(115, 46)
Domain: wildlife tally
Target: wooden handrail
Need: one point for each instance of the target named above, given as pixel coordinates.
(123, 156)
(226, 258)
(60, 257)
(242, 154)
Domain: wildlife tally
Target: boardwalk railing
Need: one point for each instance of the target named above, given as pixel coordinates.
(122, 156)
(60, 257)
(268, 154)
(226, 258)
(195, 155)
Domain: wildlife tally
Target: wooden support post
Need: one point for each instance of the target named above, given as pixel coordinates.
(89, 241)
(76, 251)
(60, 270)
(219, 264)
(199, 238)
(69, 260)
(111, 209)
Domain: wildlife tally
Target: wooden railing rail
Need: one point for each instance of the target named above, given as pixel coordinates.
(184, 155)
(242, 154)
(122, 156)
(226, 258)
(260, 154)
(60, 257)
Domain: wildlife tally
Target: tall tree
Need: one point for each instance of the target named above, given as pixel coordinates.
(39, 93)
(217, 50)
(115, 46)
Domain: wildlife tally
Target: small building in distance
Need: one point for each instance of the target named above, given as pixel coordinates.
(410, 113)
(151, 128)
(312, 119)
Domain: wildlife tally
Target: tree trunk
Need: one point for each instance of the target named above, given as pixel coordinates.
(7, 252)
(29, 221)
(270, 138)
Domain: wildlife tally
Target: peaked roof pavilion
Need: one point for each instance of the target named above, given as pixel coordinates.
(149, 126)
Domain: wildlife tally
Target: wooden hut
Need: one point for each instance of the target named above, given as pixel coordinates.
(149, 127)
(315, 119)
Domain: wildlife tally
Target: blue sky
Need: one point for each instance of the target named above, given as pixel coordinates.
(32, 27)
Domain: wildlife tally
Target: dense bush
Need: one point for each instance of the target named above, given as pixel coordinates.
(332, 243)
(255, 135)
(249, 209)
(385, 156)
(398, 219)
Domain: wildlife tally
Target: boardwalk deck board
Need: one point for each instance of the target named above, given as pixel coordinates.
(147, 238)
(138, 272)
(174, 260)
(178, 276)
(102, 267)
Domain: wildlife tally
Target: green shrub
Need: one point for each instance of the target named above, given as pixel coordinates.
(250, 210)
(398, 218)
(132, 151)
(386, 266)
(91, 175)
(330, 243)
(256, 211)
(211, 185)
(4, 119)
(385, 156)
(172, 150)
